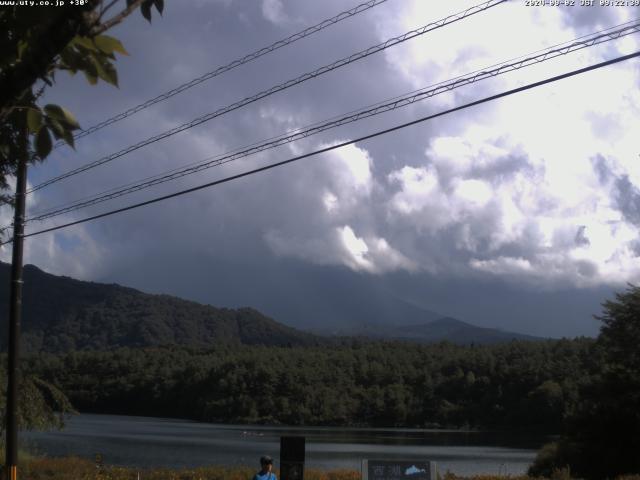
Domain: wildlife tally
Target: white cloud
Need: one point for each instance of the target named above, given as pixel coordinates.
(552, 209)
(418, 189)
(341, 246)
(330, 201)
(474, 193)
(350, 169)
(341, 184)
(356, 249)
(502, 265)
(520, 176)
(373, 254)
(447, 52)
(273, 10)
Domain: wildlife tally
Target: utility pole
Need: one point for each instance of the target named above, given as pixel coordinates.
(15, 312)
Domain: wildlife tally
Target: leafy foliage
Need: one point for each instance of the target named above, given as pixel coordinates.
(36, 43)
(41, 405)
(602, 439)
(92, 56)
(52, 119)
(146, 6)
(620, 333)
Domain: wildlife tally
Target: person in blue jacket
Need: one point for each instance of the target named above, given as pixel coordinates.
(266, 462)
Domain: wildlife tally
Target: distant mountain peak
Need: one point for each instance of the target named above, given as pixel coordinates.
(437, 330)
(437, 322)
(456, 331)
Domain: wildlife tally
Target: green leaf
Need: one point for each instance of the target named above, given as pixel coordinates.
(59, 130)
(145, 9)
(105, 70)
(85, 42)
(91, 78)
(67, 57)
(56, 127)
(22, 46)
(67, 136)
(34, 119)
(43, 143)
(159, 5)
(109, 45)
(96, 65)
(62, 115)
(111, 76)
(90, 71)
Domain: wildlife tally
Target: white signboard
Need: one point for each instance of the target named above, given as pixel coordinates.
(401, 469)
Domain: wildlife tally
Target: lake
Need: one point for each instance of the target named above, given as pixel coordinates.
(162, 442)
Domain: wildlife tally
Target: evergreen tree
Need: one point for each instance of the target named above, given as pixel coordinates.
(603, 434)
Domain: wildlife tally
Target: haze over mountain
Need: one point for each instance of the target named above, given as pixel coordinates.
(317, 296)
(62, 314)
(437, 330)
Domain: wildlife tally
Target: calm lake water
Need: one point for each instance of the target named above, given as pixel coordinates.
(154, 442)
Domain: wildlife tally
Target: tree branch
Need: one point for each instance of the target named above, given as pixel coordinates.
(113, 21)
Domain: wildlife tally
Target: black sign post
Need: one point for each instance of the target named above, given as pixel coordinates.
(292, 458)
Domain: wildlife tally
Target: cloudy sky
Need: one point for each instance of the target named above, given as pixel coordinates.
(520, 214)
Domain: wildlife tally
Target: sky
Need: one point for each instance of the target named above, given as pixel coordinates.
(520, 214)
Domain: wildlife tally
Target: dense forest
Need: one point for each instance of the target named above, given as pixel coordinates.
(514, 385)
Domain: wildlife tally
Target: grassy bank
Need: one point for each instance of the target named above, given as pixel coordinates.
(73, 468)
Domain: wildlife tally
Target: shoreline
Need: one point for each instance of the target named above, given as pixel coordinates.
(149, 442)
(323, 428)
(74, 468)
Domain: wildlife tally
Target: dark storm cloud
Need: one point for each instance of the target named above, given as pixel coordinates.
(628, 198)
(221, 39)
(219, 246)
(581, 237)
(602, 169)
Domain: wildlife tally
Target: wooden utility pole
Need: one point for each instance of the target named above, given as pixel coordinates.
(15, 313)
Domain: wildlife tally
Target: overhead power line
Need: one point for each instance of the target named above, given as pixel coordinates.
(230, 66)
(535, 58)
(278, 88)
(343, 144)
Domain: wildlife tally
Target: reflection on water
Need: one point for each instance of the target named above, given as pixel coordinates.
(156, 442)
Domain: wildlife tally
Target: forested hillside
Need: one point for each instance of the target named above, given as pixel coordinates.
(61, 314)
(514, 385)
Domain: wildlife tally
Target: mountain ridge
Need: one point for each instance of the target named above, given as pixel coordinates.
(61, 314)
(436, 330)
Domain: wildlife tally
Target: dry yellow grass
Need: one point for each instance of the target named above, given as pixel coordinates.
(73, 468)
